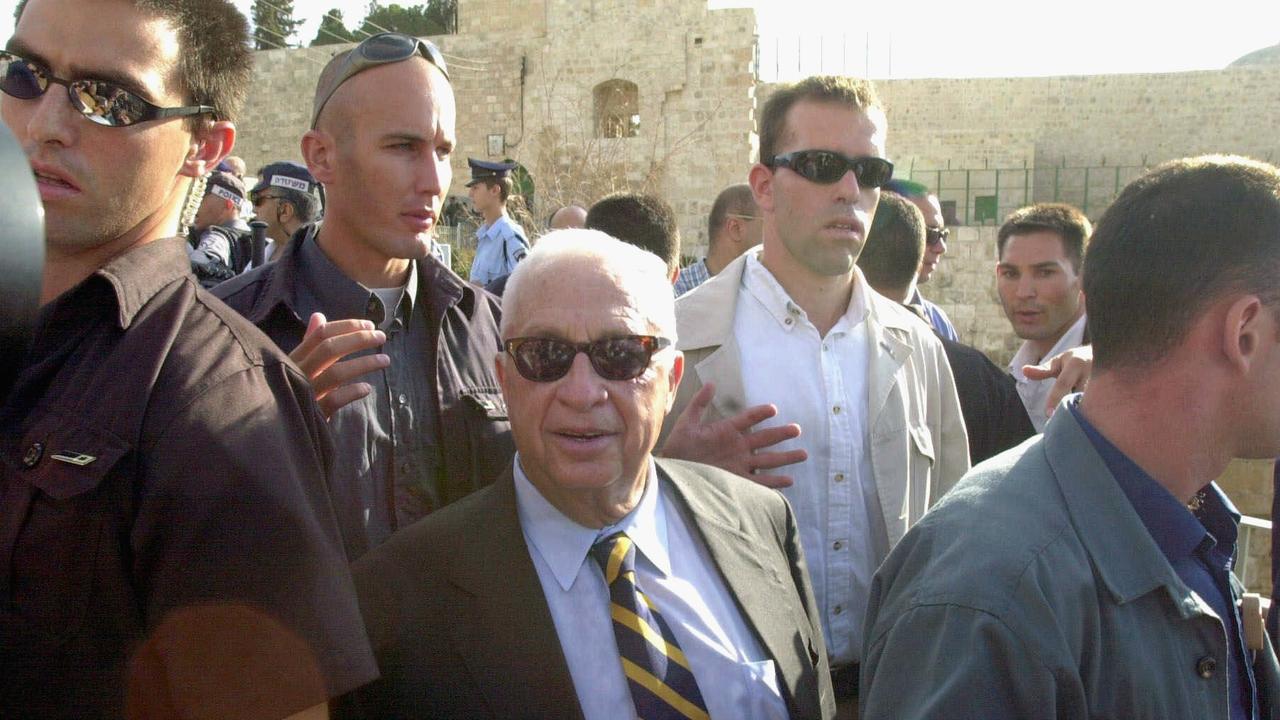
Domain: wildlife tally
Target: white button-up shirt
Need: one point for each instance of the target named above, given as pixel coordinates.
(735, 675)
(1035, 393)
(821, 384)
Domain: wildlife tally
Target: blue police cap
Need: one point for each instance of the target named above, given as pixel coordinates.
(482, 170)
(286, 175)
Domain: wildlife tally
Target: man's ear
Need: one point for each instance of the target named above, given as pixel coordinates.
(209, 146)
(1244, 329)
(319, 151)
(673, 378)
(761, 180)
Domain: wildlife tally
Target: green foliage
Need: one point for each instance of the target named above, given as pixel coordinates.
(433, 18)
(273, 23)
(333, 30)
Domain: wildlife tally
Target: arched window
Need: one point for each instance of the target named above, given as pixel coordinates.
(617, 104)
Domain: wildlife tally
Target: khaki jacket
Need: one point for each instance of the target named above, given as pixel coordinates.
(919, 448)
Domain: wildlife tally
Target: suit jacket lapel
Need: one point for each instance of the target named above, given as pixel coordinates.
(505, 631)
(756, 586)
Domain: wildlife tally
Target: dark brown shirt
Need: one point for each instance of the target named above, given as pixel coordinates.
(168, 545)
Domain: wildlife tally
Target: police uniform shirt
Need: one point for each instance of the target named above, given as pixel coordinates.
(499, 246)
(386, 442)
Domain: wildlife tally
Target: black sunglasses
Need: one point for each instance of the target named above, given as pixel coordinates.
(105, 103)
(618, 358)
(936, 235)
(261, 198)
(827, 167)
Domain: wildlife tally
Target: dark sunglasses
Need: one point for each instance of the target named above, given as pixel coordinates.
(827, 167)
(103, 102)
(618, 358)
(380, 49)
(936, 235)
(259, 199)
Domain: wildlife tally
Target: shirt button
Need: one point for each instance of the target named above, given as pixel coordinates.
(839, 477)
(787, 321)
(835, 410)
(825, 348)
(404, 468)
(837, 545)
(33, 454)
(1206, 666)
(838, 609)
(403, 399)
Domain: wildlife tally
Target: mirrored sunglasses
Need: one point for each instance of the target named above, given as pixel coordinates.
(618, 358)
(103, 102)
(827, 167)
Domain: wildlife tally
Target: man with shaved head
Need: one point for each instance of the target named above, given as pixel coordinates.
(398, 347)
(591, 580)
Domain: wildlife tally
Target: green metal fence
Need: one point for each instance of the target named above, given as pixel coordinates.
(973, 196)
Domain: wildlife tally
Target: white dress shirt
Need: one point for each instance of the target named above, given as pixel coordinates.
(735, 675)
(821, 384)
(1035, 393)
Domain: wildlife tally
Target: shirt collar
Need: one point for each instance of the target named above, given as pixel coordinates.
(1177, 531)
(564, 544)
(340, 296)
(138, 274)
(761, 284)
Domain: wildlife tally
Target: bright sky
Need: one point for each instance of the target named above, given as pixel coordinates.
(948, 38)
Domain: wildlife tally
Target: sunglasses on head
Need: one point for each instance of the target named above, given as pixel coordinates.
(103, 102)
(826, 167)
(380, 49)
(618, 358)
(935, 235)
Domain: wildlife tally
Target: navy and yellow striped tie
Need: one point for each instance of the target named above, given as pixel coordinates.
(657, 671)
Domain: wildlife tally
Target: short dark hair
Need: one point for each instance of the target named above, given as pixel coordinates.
(215, 64)
(1065, 220)
(1176, 240)
(305, 205)
(733, 200)
(895, 244)
(851, 92)
(645, 221)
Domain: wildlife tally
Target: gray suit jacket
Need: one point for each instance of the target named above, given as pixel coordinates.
(461, 629)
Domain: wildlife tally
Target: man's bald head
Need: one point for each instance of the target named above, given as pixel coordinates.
(569, 217)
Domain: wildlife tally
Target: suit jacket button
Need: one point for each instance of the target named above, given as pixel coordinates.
(33, 454)
(1206, 666)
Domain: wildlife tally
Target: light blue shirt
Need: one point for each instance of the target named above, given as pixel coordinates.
(499, 246)
(734, 673)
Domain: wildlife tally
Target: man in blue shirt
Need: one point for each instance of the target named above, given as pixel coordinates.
(500, 242)
(1103, 549)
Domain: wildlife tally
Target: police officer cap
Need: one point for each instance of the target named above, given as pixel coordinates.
(226, 186)
(482, 170)
(286, 176)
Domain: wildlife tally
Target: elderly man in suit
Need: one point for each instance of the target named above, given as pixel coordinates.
(591, 580)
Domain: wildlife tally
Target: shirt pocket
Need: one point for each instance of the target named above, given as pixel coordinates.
(922, 443)
(56, 523)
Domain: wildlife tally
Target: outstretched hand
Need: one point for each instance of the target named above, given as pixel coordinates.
(1072, 369)
(320, 356)
(731, 444)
